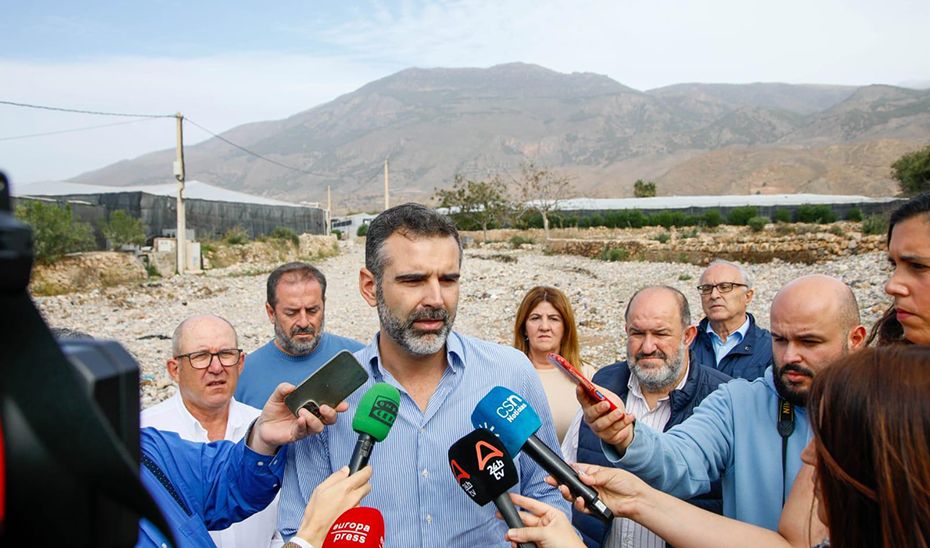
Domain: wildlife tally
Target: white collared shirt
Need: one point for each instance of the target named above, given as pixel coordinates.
(172, 416)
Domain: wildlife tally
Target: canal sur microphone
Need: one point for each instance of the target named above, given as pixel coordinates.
(511, 417)
(373, 419)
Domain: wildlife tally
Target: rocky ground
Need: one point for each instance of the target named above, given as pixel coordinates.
(495, 278)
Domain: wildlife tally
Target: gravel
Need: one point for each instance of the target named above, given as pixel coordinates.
(494, 279)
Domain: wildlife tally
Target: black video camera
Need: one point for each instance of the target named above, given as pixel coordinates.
(69, 415)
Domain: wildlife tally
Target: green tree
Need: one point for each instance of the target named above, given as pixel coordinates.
(476, 203)
(543, 190)
(54, 230)
(644, 189)
(912, 171)
(122, 229)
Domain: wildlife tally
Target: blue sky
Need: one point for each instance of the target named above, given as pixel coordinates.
(228, 63)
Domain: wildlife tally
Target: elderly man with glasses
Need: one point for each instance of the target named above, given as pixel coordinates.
(206, 362)
(728, 338)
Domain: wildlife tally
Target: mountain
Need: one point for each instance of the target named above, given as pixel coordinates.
(434, 123)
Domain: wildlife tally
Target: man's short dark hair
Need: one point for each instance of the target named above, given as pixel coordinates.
(304, 271)
(684, 309)
(409, 220)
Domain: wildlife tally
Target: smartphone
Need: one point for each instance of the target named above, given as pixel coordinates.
(328, 385)
(561, 363)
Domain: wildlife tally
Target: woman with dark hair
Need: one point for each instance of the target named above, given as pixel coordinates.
(908, 320)
(545, 323)
(870, 451)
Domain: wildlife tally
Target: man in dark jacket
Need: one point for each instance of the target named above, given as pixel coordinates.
(660, 385)
(728, 338)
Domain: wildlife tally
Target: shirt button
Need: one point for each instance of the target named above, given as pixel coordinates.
(261, 463)
(429, 519)
(425, 473)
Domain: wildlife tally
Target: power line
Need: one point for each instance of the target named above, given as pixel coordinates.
(257, 155)
(80, 111)
(73, 130)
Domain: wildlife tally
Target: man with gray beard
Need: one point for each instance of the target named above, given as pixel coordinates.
(413, 257)
(660, 384)
(296, 305)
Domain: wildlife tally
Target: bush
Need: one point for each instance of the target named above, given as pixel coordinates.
(122, 229)
(362, 231)
(782, 216)
(54, 230)
(875, 224)
(517, 241)
(236, 236)
(820, 214)
(854, 215)
(740, 215)
(663, 237)
(614, 254)
(757, 223)
(337, 233)
(713, 218)
(286, 234)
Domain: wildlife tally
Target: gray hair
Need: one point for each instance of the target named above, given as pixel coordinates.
(742, 271)
(179, 331)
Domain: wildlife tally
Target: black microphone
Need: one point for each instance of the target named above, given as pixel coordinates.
(485, 471)
(511, 417)
(373, 419)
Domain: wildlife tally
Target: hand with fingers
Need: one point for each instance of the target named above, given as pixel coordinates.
(330, 499)
(544, 525)
(277, 426)
(613, 427)
(620, 490)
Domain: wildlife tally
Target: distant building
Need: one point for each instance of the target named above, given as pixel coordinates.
(350, 224)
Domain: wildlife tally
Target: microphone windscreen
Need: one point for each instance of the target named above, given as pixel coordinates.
(482, 466)
(508, 415)
(359, 527)
(377, 411)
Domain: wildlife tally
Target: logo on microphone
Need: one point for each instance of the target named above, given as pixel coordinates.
(497, 466)
(384, 410)
(350, 531)
(511, 408)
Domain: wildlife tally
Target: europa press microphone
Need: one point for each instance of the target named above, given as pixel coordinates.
(485, 471)
(373, 419)
(511, 417)
(359, 527)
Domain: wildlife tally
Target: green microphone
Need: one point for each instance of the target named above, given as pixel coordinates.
(373, 419)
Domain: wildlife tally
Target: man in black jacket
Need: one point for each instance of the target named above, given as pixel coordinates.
(659, 384)
(728, 338)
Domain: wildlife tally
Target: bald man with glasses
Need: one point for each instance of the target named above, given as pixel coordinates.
(728, 338)
(206, 362)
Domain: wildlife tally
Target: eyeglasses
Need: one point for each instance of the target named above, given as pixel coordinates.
(201, 360)
(723, 287)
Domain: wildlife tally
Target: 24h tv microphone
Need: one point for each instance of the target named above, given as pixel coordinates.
(485, 471)
(359, 527)
(373, 419)
(511, 417)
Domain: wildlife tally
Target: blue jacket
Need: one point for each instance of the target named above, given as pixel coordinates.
(732, 436)
(215, 484)
(701, 381)
(747, 360)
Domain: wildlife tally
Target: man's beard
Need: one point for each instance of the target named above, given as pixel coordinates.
(792, 395)
(412, 340)
(293, 346)
(655, 379)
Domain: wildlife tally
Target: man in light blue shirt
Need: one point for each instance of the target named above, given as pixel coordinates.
(734, 434)
(411, 275)
(296, 305)
(728, 338)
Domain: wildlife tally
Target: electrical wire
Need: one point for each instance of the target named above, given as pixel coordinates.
(80, 111)
(73, 130)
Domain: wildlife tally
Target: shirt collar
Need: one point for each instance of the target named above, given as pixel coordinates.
(455, 354)
(743, 329)
(186, 416)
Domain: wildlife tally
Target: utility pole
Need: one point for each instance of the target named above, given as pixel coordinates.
(387, 201)
(329, 209)
(181, 239)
